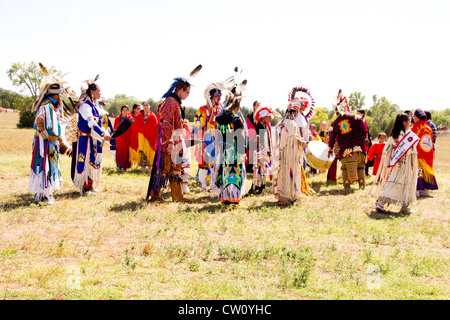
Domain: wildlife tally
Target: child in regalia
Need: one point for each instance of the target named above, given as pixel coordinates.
(262, 156)
(376, 151)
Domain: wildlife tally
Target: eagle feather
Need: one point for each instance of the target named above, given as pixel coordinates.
(195, 71)
(44, 69)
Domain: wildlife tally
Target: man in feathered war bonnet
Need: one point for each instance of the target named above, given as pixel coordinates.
(168, 158)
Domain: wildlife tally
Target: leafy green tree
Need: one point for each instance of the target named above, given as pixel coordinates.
(4, 103)
(154, 105)
(356, 101)
(383, 113)
(320, 115)
(441, 117)
(114, 105)
(189, 113)
(28, 76)
(22, 103)
(13, 100)
(26, 119)
(331, 113)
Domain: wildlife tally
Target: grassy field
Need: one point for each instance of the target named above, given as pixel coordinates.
(114, 245)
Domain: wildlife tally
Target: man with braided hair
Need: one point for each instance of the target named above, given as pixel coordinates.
(170, 146)
(167, 162)
(94, 128)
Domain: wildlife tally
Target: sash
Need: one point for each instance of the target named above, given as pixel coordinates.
(407, 142)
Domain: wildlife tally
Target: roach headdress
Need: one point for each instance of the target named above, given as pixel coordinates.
(85, 85)
(341, 105)
(192, 74)
(233, 90)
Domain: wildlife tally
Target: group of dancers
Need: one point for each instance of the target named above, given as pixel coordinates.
(225, 144)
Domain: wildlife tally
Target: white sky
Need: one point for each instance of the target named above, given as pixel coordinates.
(397, 49)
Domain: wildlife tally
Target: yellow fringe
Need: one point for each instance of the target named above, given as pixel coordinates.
(305, 186)
(134, 156)
(427, 171)
(144, 146)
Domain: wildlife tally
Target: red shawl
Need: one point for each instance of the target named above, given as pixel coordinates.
(122, 145)
(375, 152)
(143, 137)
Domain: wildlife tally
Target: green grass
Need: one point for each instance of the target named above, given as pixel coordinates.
(116, 246)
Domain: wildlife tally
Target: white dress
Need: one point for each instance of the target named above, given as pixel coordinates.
(287, 172)
(396, 185)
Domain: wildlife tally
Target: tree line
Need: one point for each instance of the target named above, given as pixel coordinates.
(379, 117)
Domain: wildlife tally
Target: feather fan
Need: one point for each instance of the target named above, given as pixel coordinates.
(122, 127)
(69, 123)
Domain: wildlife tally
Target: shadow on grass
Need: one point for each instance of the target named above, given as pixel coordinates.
(115, 171)
(270, 204)
(317, 185)
(20, 201)
(68, 195)
(206, 198)
(215, 205)
(337, 192)
(331, 188)
(388, 215)
(421, 198)
(24, 200)
(212, 208)
(128, 206)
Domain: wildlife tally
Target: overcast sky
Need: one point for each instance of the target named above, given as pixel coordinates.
(397, 49)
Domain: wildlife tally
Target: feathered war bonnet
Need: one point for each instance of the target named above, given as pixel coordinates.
(233, 90)
(304, 99)
(49, 86)
(179, 79)
(211, 90)
(341, 107)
